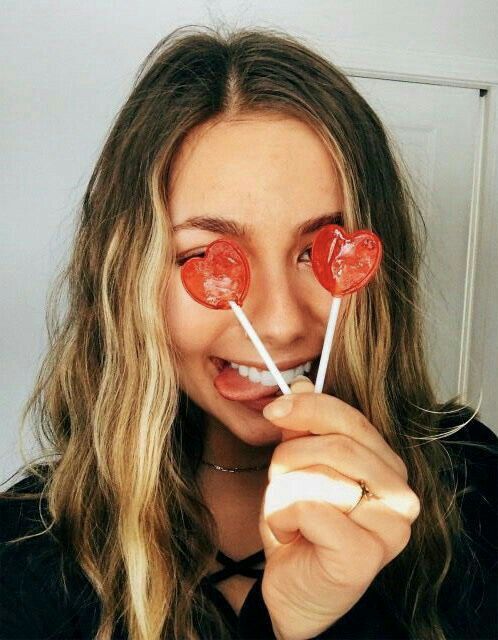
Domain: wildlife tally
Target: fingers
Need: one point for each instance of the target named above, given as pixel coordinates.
(327, 528)
(323, 414)
(302, 384)
(339, 453)
(309, 501)
(313, 482)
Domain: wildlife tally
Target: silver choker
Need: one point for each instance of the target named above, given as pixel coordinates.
(235, 469)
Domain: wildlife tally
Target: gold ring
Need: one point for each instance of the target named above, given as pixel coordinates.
(365, 493)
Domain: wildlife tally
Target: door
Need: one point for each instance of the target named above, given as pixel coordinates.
(436, 131)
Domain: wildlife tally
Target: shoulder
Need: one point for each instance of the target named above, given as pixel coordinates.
(27, 550)
(465, 428)
(467, 440)
(473, 450)
(36, 581)
(20, 514)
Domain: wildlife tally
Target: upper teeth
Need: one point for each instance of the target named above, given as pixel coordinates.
(265, 378)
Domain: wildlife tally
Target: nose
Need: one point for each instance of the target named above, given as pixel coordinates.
(277, 309)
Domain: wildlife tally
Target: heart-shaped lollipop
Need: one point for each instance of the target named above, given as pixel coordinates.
(219, 277)
(342, 263)
(220, 280)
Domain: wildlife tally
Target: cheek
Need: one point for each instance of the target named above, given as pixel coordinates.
(319, 303)
(191, 325)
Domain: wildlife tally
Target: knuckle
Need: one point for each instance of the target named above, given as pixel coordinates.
(342, 445)
(413, 506)
(363, 423)
(402, 467)
(301, 509)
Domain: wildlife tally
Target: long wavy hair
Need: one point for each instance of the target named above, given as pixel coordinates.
(120, 441)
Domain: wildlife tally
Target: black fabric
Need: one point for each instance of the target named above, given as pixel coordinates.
(43, 593)
(240, 567)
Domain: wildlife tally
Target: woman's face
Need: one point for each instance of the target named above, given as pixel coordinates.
(270, 175)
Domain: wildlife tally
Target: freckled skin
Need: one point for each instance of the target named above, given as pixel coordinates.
(272, 173)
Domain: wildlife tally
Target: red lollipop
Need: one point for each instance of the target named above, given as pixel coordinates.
(220, 276)
(342, 263)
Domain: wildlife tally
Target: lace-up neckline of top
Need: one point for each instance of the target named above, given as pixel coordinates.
(242, 567)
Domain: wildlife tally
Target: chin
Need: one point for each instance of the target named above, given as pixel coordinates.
(249, 426)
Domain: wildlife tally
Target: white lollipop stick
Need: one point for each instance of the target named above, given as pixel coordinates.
(327, 344)
(242, 318)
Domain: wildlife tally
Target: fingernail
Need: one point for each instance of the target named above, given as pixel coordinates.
(301, 379)
(279, 408)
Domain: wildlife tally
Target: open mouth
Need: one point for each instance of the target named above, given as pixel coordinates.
(222, 364)
(254, 393)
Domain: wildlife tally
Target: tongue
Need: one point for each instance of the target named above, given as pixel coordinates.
(232, 386)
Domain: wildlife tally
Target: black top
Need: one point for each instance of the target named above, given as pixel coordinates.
(33, 603)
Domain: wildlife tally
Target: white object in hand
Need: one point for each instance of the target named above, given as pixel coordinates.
(327, 343)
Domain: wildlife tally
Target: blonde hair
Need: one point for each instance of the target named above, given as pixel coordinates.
(121, 439)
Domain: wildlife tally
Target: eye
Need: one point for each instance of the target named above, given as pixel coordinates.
(183, 259)
(199, 254)
(308, 250)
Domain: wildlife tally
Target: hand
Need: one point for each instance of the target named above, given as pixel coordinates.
(320, 561)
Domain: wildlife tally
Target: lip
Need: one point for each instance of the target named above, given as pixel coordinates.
(220, 363)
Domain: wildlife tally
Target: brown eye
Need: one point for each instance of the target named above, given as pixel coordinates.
(308, 249)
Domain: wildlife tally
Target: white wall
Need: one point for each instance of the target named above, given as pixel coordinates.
(66, 68)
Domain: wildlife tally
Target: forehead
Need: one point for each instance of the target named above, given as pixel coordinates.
(253, 169)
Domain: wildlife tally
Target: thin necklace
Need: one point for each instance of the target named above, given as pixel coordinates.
(234, 469)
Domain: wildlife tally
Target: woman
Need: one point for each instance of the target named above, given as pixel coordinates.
(345, 516)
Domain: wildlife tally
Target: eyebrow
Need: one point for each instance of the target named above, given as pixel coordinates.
(232, 227)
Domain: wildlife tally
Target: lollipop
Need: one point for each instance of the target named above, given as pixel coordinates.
(220, 280)
(342, 263)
